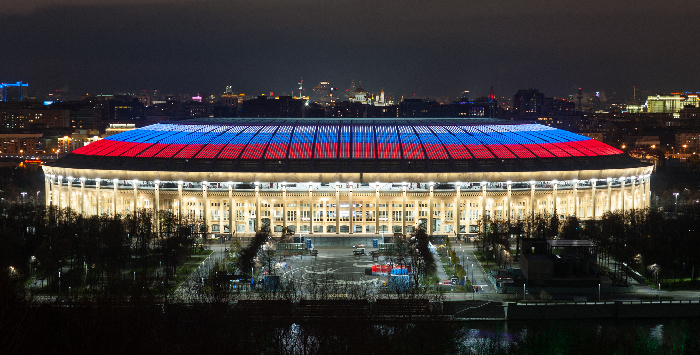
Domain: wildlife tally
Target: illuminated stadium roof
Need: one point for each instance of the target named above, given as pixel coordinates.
(440, 145)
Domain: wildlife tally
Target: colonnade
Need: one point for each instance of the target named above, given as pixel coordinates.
(347, 207)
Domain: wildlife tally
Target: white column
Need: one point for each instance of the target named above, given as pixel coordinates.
(47, 191)
(257, 206)
(179, 200)
(115, 186)
(82, 195)
(136, 194)
(98, 196)
(468, 219)
(231, 215)
(403, 208)
(337, 208)
(389, 220)
(442, 214)
(352, 209)
(298, 220)
(609, 181)
(576, 198)
(508, 201)
(156, 205)
(532, 200)
(376, 208)
(640, 190)
(70, 192)
(623, 202)
(483, 200)
(311, 208)
(458, 199)
(284, 204)
(221, 215)
(206, 204)
(416, 215)
(555, 195)
(594, 196)
(647, 191)
(59, 187)
(634, 192)
(430, 209)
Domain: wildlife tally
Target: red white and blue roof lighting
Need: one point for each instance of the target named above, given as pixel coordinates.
(318, 141)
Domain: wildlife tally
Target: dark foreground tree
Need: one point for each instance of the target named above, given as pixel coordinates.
(246, 261)
(423, 258)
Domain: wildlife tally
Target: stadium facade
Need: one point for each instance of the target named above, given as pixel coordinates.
(349, 176)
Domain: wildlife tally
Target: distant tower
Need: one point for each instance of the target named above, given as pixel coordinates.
(580, 98)
(301, 87)
(492, 97)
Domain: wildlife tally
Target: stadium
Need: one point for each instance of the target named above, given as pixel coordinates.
(348, 176)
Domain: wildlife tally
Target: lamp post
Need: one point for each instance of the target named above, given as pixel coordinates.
(473, 289)
(676, 203)
(24, 194)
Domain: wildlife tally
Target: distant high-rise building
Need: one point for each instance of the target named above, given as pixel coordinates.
(323, 93)
(527, 102)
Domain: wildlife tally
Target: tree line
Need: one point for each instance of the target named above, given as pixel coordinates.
(105, 252)
(659, 245)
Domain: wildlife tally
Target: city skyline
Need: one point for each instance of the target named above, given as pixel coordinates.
(435, 50)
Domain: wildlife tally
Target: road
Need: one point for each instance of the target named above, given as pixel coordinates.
(184, 290)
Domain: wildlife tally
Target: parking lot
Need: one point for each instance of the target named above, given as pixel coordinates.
(332, 264)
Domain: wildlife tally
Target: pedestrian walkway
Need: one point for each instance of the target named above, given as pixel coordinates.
(441, 269)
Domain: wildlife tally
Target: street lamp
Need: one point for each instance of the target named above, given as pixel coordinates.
(676, 203)
(23, 196)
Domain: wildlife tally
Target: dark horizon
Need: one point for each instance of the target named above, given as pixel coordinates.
(425, 49)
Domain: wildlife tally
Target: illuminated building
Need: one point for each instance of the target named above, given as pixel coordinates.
(323, 93)
(671, 103)
(12, 92)
(20, 144)
(360, 95)
(349, 176)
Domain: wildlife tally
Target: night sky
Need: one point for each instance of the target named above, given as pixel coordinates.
(407, 47)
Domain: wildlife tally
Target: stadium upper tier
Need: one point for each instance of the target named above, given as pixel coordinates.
(297, 145)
